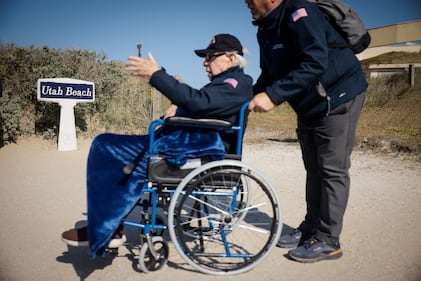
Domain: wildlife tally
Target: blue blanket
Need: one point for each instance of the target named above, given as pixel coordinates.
(111, 194)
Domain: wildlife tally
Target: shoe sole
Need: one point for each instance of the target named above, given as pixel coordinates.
(331, 256)
(287, 246)
(75, 243)
(114, 243)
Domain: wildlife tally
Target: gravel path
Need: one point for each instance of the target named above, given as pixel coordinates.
(43, 193)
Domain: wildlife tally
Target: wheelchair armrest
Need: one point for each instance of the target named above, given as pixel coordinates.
(206, 123)
(198, 122)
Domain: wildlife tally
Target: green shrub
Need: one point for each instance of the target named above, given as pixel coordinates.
(9, 119)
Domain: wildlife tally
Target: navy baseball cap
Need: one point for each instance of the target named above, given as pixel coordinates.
(221, 43)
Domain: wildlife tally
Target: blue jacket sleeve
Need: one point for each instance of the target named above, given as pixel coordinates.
(216, 99)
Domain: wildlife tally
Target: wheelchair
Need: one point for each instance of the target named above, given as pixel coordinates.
(223, 217)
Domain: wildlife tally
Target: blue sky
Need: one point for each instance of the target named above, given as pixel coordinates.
(171, 30)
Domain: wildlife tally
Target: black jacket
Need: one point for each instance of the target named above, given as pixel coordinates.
(295, 57)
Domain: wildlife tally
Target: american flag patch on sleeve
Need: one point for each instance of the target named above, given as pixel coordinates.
(232, 82)
(298, 14)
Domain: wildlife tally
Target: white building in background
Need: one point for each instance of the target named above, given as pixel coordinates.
(401, 37)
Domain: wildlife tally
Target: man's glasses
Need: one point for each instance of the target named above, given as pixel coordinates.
(211, 57)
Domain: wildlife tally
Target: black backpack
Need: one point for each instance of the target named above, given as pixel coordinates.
(346, 21)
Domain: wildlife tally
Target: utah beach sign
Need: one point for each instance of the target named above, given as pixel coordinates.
(66, 92)
(56, 89)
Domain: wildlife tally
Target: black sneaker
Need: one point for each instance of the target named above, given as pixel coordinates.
(315, 250)
(290, 240)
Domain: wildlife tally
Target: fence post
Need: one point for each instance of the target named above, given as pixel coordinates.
(412, 75)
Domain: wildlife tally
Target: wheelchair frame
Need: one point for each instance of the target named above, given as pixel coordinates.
(212, 212)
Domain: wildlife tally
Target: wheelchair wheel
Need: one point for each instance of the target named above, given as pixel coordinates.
(147, 261)
(224, 218)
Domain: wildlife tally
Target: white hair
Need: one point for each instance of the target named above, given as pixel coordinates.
(239, 59)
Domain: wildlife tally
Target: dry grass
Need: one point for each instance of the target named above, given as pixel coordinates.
(393, 57)
(390, 121)
(394, 128)
(278, 124)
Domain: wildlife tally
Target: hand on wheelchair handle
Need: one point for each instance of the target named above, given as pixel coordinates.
(261, 103)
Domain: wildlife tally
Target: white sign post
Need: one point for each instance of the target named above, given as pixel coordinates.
(66, 92)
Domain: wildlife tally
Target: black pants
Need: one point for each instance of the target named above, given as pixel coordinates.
(326, 145)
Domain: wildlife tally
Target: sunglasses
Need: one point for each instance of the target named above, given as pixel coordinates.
(211, 57)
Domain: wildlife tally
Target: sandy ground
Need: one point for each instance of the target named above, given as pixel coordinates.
(43, 193)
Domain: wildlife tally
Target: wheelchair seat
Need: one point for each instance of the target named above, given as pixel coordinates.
(160, 171)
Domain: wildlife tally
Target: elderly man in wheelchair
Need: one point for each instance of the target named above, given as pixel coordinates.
(206, 204)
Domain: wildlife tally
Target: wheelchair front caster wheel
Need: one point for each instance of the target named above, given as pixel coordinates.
(149, 262)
